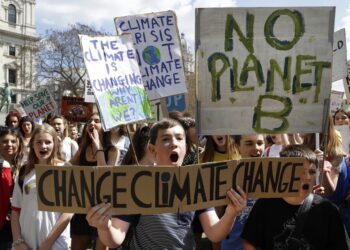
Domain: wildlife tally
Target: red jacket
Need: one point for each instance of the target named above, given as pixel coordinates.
(6, 187)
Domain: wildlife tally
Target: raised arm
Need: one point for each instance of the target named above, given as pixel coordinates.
(217, 229)
(111, 231)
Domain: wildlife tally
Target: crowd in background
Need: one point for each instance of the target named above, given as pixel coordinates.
(55, 141)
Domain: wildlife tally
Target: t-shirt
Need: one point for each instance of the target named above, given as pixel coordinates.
(233, 241)
(273, 151)
(271, 222)
(69, 148)
(36, 225)
(163, 231)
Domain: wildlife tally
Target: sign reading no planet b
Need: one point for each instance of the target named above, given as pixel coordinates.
(158, 52)
(263, 70)
(39, 104)
(116, 80)
(154, 189)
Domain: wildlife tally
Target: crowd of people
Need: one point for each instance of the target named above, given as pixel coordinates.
(319, 218)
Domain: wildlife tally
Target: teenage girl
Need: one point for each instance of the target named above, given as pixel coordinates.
(31, 228)
(96, 149)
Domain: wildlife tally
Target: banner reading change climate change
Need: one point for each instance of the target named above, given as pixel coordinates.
(263, 70)
(154, 189)
(116, 80)
(158, 51)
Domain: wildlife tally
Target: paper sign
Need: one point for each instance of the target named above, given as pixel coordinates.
(158, 52)
(151, 189)
(336, 101)
(263, 70)
(115, 79)
(89, 93)
(74, 109)
(39, 104)
(339, 67)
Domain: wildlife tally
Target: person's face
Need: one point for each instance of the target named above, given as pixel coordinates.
(13, 122)
(308, 179)
(170, 146)
(43, 147)
(95, 123)
(221, 142)
(58, 125)
(74, 131)
(9, 146)
(27, 128)
(251, 146)
(341, 119)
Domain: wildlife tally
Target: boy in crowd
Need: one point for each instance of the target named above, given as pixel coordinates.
(169, 230)
(304, 222)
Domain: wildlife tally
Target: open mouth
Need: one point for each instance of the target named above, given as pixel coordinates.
(305, 186)
(220, 138)
(174, 157)
(43, 153)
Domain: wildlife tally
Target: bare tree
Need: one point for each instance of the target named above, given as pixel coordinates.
(60, 59)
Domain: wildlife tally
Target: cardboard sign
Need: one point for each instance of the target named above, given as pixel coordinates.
(75, 109)
(89, 92)
(263, 70)
(39, 104)
(151, 189)
(339, 67)
(115, 79)
(158, 52)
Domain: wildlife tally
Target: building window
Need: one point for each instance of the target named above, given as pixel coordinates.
(12, 76)
(14, 99)
(12, 51)
(12, 14)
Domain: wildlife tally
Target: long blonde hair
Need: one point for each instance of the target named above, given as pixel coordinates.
(32, 157)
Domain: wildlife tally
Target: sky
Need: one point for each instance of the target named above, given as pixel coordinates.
(53, 14)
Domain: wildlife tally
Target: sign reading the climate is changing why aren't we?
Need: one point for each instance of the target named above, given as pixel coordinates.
(158, 51)
(116, 80)
(263, 70)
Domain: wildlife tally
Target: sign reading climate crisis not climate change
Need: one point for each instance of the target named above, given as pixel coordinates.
(152, 189)
(39, 104)
(263, 70)
(158, 52)
(116, 80)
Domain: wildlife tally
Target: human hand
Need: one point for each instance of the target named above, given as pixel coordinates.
(93, 134)
(45, 245)
(99, 216)
(21, 246)
(238, 200)
(318, 189)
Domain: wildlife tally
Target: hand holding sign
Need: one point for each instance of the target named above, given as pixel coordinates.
(238, 201)
(99, 216)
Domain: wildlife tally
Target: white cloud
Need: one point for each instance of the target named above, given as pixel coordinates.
(58, 14)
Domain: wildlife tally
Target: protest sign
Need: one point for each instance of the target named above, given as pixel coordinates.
(75, 109)
(89, 93)
(339, 66)
(176, 103)
(263, 70)
(154, 189)
(39, 104)
(158, 52)
(336, 101)
(115, 79)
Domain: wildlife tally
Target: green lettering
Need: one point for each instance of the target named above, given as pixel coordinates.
(256, 68)
(231, 25)
(299, 29)
(299, 70)
(259, 114)
(216, 74)
(285, 75)
(319, 65)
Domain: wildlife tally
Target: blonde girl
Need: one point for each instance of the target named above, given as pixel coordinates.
(31, 228)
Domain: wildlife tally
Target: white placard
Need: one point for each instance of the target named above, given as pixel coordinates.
(339, 67)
